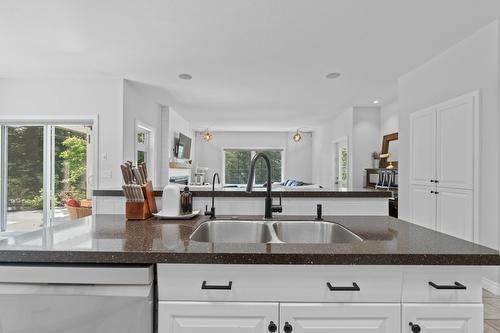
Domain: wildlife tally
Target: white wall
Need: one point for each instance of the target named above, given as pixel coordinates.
(361, 126)
(365, 141)
(71, 98)
(389, 119)
(470, 65)
(322, 147)
(297, 155)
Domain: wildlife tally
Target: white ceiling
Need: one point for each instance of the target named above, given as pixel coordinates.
(256, 64)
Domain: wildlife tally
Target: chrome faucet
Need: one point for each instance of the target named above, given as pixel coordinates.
(269, 207)
(211, 213)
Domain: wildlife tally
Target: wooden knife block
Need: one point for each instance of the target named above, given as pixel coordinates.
(142, 210)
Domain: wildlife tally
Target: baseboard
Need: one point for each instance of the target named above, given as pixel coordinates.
(492, 286)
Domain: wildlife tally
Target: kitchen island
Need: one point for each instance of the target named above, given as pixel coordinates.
(398, 278)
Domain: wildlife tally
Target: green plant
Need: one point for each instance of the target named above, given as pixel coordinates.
(75, 155)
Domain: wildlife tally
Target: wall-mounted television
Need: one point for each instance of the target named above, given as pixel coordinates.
(183, 147)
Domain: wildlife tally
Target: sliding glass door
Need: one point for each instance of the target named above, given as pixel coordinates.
(45, 174)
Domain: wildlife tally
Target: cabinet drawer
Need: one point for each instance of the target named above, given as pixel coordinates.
(292, 283)
(417, 288)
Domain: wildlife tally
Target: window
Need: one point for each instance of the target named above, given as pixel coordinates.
(237, 166)
(42, 167)
(142, 145)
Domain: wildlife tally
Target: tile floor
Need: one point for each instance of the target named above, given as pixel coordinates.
(491, 312)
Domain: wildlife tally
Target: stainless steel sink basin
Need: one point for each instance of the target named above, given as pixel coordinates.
(313, 232)
(232, 232)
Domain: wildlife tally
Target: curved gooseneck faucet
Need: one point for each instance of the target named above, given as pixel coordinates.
(211, 213)
(269, 208)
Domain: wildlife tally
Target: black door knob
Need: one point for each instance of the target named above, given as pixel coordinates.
(272, 327)
(287, 328)
(415, 328)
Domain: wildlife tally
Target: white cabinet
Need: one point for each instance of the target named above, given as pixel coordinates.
(216, 317)
(423, 206)
(443, 152)
(340, 317)
(455, 212)
(440, 299)
(443, 318)
(423, 147)
(455, 143)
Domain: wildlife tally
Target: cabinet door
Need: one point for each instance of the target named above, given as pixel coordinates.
(423, 147)
(340, 317)
(443, 318)
(423, 206)
(455, 143)
(455, 212)
(216, 317)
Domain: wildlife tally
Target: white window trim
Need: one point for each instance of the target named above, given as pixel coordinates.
(150, 147)
(253, 149)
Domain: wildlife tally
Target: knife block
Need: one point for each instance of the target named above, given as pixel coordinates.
(137, 210)
(145, 209)
(149, 195)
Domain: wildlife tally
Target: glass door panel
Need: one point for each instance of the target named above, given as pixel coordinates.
(72, 171)
(25, 177)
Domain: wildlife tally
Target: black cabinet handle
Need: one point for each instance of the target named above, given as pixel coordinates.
(204, 285)
(272, 327)
(288, 328)
(354, 287)
(414, 327)
(455, 286)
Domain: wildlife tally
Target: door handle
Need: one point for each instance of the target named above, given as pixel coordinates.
(205, 286)
(354, 287)
(455, 286)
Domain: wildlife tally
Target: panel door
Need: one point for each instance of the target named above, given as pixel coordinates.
(216, 317)
(443, 318)
(423, 206)
(340, 317)
(423, 147)
(455, 143)
(455, 212)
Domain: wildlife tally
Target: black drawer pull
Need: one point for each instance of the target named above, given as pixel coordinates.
(354, 287)
(204, 285)
(456, 286)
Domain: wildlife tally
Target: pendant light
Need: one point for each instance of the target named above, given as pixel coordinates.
(207, 136)
(297, 137)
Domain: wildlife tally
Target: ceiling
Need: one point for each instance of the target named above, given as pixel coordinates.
(256, 64)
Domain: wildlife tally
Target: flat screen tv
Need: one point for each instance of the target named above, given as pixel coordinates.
(183, 147)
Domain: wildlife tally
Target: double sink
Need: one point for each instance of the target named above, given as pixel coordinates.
(258, 231)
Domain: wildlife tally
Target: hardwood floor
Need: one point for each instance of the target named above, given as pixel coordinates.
(491, 312)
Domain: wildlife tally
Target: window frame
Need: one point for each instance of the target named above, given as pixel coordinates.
(253, 151)
(148, 147)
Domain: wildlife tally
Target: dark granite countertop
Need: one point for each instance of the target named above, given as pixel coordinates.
(261, 192)
(111, 239)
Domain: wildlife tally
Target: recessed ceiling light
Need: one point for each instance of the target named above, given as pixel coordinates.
(185, 76)
(332, 75)
(376, 102)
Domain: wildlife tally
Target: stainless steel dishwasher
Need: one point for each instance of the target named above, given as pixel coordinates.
(83, 299)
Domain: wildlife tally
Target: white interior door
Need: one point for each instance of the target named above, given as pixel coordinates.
(340, 317)
(423, 147)
(443, 318)
(455, 143)
(455, 212)
(216, 317)
(423, 206)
